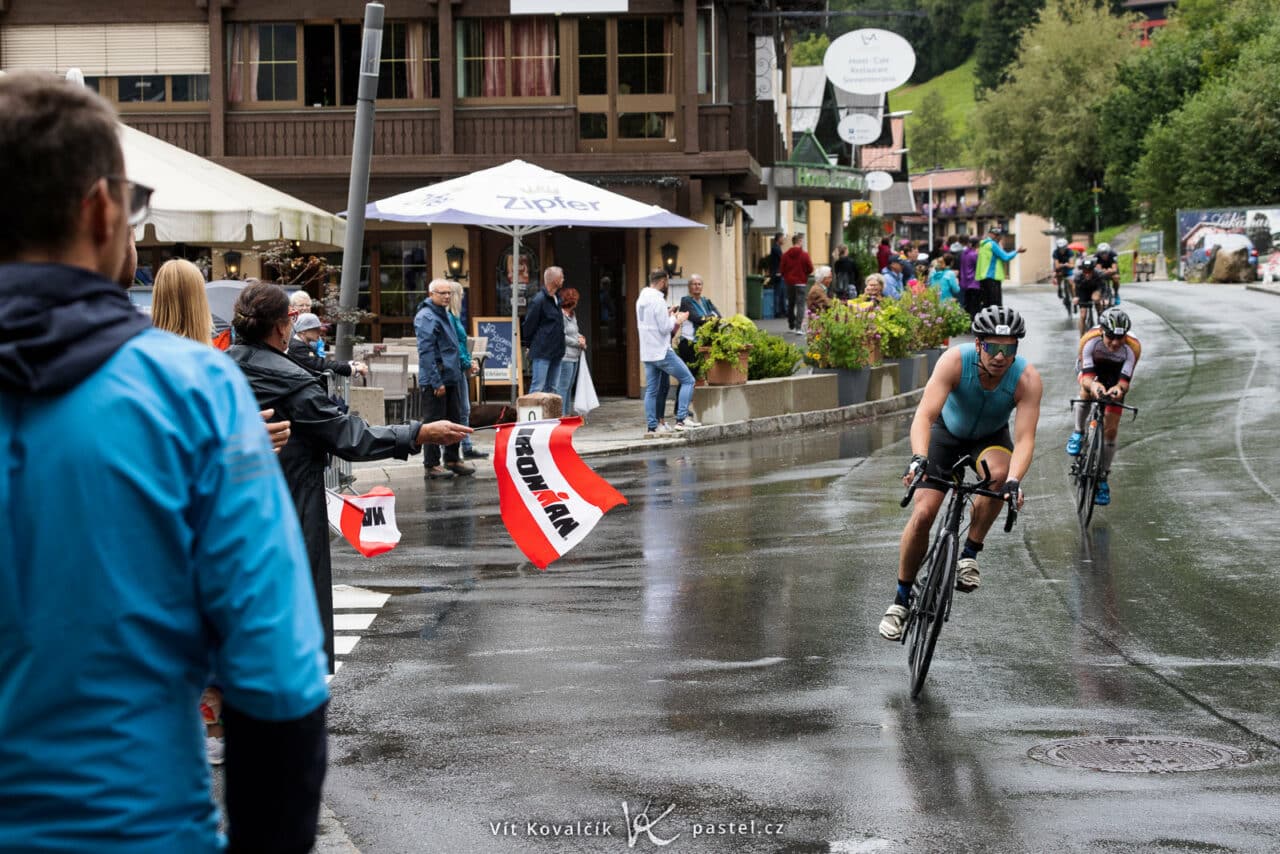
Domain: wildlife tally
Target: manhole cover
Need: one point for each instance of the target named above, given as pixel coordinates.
(1138, 754)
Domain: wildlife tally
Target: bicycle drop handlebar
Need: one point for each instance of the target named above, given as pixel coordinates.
(977, 488)
(1102, 401)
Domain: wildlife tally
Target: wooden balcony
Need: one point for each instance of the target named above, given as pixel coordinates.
(187, 131)
(493, 132)
(329, 134)
(516, 131)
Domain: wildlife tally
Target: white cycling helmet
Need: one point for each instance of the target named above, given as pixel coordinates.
(1062, 243)
(1104, 247)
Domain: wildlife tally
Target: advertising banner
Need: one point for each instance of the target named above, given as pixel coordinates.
(1229, 244)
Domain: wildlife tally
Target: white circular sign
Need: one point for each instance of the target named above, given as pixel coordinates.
(879, 181)
(869, 62)
(859, 129)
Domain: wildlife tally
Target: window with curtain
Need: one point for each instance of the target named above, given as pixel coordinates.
(262, 63)
(410, 68)
(508, 57)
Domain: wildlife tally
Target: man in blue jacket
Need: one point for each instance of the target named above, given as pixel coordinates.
(440, 376)
(153, 552)
(543, 332)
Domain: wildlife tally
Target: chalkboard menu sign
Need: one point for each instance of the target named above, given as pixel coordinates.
(503, 365)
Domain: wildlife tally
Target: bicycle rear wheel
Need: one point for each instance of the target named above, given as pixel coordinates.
(931, 610)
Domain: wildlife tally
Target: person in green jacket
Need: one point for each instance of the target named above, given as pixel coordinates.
(470, 367)
(993, 266)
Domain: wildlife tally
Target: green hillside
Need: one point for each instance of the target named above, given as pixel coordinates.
(956, 87)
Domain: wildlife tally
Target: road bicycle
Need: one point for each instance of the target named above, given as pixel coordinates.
(935, 583)
(1094, 309)
(1087, 468)
(1066, 291)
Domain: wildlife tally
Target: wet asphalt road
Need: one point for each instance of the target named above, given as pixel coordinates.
(712, 646)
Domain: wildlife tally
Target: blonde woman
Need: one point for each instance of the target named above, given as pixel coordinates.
(179, 304)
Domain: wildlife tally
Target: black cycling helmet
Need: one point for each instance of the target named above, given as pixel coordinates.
(1089, 262)
(1115, 322)
(998, 320)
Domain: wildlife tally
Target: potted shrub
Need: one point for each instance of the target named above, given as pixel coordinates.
(772, 357)
(843, 341)
(899, 333)
(725, 344)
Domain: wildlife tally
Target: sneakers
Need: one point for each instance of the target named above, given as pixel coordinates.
(1103, 496)
(1116, 301)
(687, 423)
(967, 578)
(664, 428)
(215, 749)
(461, 469)
(437, 472)
(892, 622)
(1073, 444)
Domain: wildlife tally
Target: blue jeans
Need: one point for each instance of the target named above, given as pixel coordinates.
(546, 372)
(564, 387)
(672, 366)
(779, 297)
(464, 405)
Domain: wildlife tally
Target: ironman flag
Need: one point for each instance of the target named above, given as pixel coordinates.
(549, 499)
(367, 521)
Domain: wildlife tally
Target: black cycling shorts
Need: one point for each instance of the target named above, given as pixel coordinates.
(1086, 288)
(946, 449)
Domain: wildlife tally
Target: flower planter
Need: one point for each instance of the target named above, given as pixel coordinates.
(911, 372)
(851, 385)
(932, 355)
(728, 373)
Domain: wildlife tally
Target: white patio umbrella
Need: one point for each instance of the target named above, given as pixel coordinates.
(519, 198)
(197, 201)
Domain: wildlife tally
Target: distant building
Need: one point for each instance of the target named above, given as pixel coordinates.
(960, 209)
(1156, 14)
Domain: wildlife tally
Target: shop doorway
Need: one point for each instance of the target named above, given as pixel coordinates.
(594, 262)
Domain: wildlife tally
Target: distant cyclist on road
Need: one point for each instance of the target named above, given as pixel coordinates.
(1063, 263)
(1109, 268)
(1108, 355)
(1089, 286)
(965, 412)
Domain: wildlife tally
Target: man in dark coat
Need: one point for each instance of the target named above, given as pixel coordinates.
(318, 428)
(440, 375)
(543, 332)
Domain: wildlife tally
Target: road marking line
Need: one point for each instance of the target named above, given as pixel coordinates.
(352, 622)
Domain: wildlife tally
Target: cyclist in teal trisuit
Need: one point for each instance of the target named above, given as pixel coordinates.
(965, 412)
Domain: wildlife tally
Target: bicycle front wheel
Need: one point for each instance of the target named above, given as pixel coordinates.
(931, 610)
(1090, 474)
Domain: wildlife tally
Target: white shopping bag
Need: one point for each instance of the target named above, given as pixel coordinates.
(584, 392)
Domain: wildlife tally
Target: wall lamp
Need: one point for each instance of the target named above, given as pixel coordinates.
(454, 256)
(670, 254)
(726, 213)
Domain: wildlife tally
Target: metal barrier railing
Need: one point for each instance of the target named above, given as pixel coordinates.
(337, 475)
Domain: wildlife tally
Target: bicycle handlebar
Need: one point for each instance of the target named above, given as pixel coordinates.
(978, 488)
(1103, 402)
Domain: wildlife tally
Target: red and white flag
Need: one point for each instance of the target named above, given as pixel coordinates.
(367, 521)
(549, 499)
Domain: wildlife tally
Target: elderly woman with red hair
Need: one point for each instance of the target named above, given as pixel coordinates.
(574, 344)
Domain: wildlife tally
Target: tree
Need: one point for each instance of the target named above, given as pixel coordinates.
(811, 50)
(933, 140)
(1037, 134)
(999, 36)
(1223, 146)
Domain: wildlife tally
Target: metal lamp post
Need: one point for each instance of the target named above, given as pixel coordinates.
(358, 188)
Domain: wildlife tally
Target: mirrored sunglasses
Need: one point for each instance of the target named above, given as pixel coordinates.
(992, 349)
